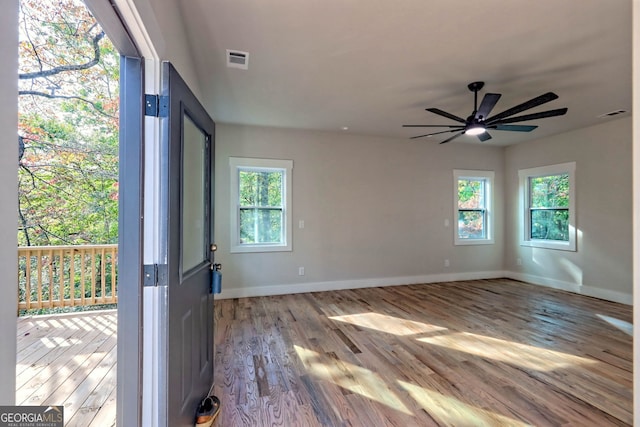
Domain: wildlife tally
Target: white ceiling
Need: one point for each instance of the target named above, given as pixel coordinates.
(374, 65)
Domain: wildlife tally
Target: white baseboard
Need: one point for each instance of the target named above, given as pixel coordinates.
(260, 291)
(605, 294)
(296, 288)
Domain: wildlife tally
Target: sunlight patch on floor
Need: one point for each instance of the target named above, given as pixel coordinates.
(50, 324)
(350, 377)
(388, 324)
(451, 411)
(625, 327)
(524, 355)
(53, 342)
(84, 324)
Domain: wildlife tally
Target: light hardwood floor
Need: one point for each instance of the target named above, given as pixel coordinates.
(70, 360)
(477, 353)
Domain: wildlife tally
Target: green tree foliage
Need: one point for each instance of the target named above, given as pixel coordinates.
(261, 206)
(470, 193)
(550, 191)
(550, 207)
(471, 208)
(68, 126)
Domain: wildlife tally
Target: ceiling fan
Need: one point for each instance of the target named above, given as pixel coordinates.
(479, 121)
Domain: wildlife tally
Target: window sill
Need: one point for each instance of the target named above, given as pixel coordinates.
(557, 245)
(240, 249)
(469, 242)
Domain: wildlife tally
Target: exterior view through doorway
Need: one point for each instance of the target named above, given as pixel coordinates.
(68, 194)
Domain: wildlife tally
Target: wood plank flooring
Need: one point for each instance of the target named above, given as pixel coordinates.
(477, 353)
(70, 360)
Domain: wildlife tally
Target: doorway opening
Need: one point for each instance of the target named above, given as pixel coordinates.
(68, 212)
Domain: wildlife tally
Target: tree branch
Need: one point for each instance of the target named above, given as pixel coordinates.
(25, 228)
(73, 67)
(50, 233)
(20, 148)
(28, 34)
(51, 96)
(33, 177)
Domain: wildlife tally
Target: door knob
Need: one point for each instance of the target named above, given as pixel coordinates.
(213, 247)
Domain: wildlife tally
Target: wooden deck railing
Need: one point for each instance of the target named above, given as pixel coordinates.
(66, 276)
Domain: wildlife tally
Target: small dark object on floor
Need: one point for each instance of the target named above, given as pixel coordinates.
(207, 411)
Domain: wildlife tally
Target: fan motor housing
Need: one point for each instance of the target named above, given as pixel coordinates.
(475, 86)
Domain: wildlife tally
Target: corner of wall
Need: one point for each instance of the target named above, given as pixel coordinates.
(590, 291)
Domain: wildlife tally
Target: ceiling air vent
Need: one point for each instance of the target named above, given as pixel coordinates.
(237, 59)
(611, 114)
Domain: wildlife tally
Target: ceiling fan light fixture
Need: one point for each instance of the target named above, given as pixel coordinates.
(480, 120)
(475, 130)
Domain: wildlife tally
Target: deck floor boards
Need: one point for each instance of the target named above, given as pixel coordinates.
(69, 359)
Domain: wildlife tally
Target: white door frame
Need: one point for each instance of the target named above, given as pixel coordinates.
(150, 298)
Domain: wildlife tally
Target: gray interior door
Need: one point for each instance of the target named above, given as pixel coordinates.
(187, 311)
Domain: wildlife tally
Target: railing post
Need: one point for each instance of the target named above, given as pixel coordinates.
(72, 277)
(39, 261)
(114, 260)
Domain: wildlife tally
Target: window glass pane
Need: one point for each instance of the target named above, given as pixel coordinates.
(260, 214)
(548, 206)
(260, 226)
(261, 188)
(471, 193)
(471, 225)
(194, 211)
(549, 191)
(550, 224)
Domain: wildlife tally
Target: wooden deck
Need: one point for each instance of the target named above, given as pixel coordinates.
(70, 360)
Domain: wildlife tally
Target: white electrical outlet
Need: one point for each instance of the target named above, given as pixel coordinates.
(300, 271)
(519, 261)
(446, 222)
(301, 224)
(446, 263)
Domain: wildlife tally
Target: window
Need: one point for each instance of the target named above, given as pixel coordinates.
(261, 205)
(473, 204)
(547, 207)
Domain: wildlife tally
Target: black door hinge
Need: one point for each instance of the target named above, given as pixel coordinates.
(156, 105)
(154, 275)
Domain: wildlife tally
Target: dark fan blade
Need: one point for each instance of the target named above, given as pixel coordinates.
(432, 126)
(534, 116)
(452, 138)
(514, 128)
(549, 96)
(447, 115)
(484, 136)
(435, 133)
(488, 102)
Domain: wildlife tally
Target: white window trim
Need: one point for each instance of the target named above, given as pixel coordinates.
(524, 220)
(488, 176)
(235, 163)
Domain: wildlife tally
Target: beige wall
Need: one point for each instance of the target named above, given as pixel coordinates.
(602, 265)
(373, 208)
(8, 194)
